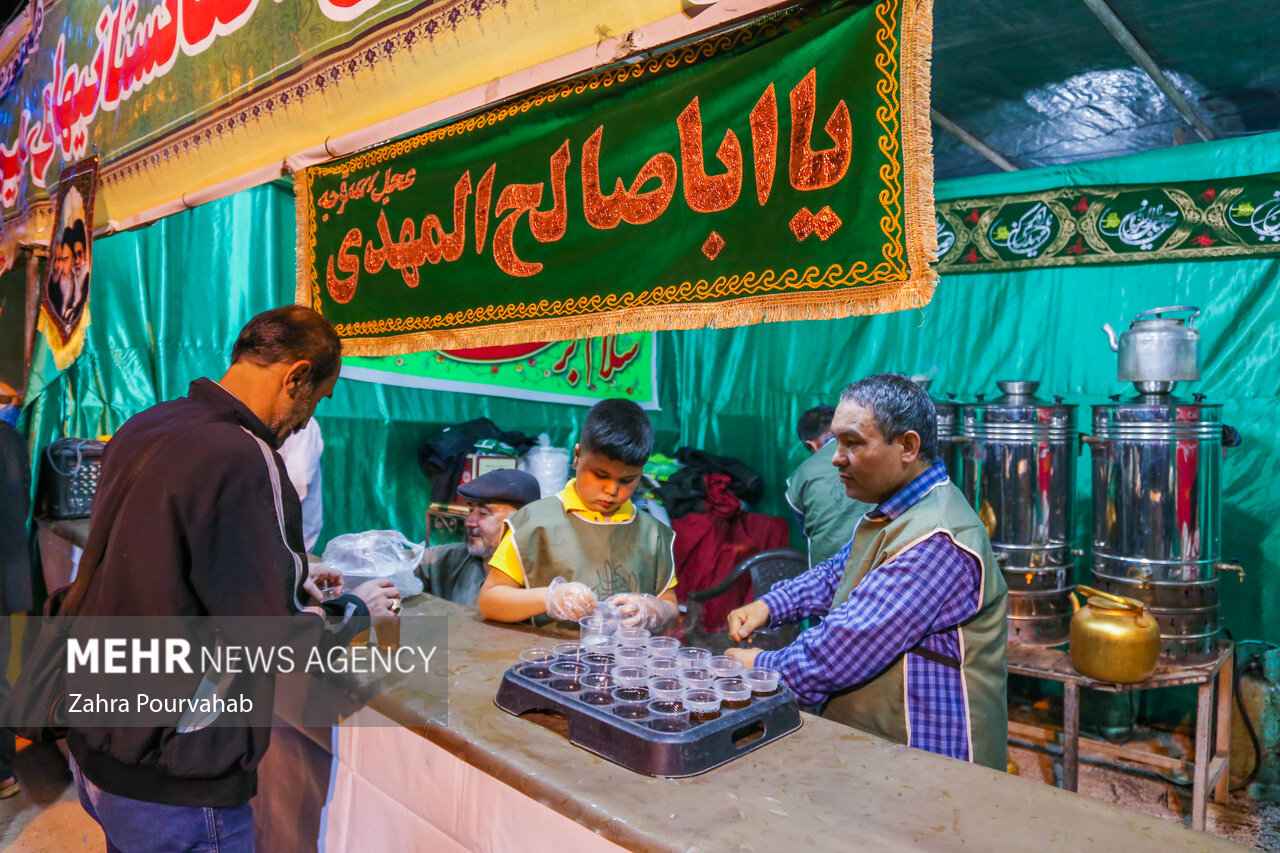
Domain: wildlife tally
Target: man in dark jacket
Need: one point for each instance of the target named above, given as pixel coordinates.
(210, 527)
(15, 569)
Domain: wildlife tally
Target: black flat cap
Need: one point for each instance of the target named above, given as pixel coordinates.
(504, 486)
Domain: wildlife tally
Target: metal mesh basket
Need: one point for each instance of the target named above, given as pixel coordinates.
(70, 476)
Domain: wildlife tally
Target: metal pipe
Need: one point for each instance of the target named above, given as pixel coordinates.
(1121, 33)
(972, 141)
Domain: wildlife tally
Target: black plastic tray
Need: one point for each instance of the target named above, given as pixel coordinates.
(635, 746)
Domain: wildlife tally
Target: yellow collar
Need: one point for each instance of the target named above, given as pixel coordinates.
(573, 503)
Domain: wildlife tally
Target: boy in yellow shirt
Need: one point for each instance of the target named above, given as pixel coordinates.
(561, 556)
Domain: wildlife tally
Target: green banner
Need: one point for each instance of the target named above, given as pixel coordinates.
(776, 172)
(576, 372)
(1092, 225)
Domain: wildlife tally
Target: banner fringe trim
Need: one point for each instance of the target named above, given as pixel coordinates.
(915, 293)
(917, 133)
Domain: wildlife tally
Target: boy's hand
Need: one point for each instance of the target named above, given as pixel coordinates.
(570, 600)
(639, 610)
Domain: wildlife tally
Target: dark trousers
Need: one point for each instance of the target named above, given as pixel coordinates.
(7, 750)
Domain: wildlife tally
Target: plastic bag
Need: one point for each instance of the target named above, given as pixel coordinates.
(548, 465)
(377, 554)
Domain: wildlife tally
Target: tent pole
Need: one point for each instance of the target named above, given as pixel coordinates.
(1121, 33)
(972, 141)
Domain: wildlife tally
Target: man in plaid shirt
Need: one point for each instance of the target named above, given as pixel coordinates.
(912, 644)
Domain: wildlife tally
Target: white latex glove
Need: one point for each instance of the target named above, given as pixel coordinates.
(639, 610)
(570, 600)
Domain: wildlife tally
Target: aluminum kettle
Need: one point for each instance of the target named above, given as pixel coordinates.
(1157, 351)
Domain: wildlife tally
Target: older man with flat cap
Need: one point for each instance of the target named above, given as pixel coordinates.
(456, 571)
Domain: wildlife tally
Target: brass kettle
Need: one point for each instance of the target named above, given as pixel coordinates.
(1113, 638)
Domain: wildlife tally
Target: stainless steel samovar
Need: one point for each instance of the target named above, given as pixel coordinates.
(948, 411)
(948, 428)
(1018, 470)
(1157, 517)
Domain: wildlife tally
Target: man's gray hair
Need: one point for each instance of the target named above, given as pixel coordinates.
(898, 405)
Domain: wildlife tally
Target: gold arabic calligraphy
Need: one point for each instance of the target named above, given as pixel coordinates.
(642, 201)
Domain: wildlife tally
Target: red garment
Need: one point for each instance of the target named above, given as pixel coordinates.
(709, 544)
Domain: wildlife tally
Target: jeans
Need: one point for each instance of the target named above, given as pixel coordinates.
(134, 826)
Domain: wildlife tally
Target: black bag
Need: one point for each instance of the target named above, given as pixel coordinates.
(36, 709)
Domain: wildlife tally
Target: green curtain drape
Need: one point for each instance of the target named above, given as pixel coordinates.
(168, 300)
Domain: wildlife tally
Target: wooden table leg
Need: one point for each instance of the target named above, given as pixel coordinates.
(1070, 735)
(1222, 739)
(1203, 753)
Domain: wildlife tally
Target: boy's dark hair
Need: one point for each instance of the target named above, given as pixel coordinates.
(288, 334)
(620, 430)
(815, 423)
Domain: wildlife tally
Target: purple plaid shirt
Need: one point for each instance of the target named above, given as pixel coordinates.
(914, 603)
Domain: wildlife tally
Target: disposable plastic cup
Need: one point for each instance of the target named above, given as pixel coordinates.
(598, 663)
(598, 681)
(763, 682)
(566, 676)
(609, 613)
(697, 677)
(597, 689)
(703, 705)
(664, 666)
(536, 663)
(632, 637)
(668, 715)
(723, 666)
(602, 643)
(693, 656)
(668, 688)
(662, 647)
(569, 651)
(631, 703)
(632, 656)
(734, 693)
(630, 676)
(593, 626)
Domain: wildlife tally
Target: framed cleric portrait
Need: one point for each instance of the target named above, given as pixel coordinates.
(64, 297)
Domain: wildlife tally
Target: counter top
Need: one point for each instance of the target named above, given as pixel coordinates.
(824, 787)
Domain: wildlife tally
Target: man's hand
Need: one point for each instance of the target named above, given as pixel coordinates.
(382, 599)
(322, 578)
(747, 656)
(746, 619)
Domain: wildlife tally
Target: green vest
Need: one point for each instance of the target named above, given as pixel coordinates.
(879, 705)
(610, 557)
(814, 490)
(451, 572)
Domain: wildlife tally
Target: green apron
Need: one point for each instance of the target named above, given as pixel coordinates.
(814, 490)
(879, 706)
(609, 557)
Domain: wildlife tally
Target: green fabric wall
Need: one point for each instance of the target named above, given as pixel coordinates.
(168, 300)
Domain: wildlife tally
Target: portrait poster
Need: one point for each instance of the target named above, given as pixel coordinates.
(64, 295)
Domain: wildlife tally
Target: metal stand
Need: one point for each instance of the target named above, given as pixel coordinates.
(1213, 713)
